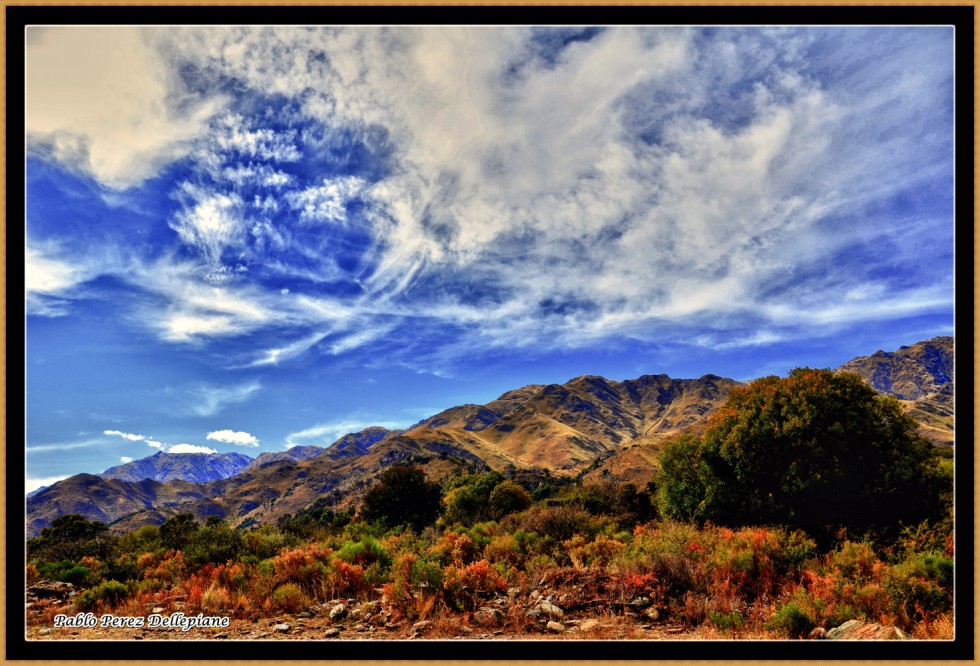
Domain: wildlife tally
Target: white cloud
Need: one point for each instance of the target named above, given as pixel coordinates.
(125, 459)
(633, 184)
(190, 448)
(64, 446)
(125, 435)
(324, 434)
(326, 202)
(211, 222)
(208, 400)
(154, 444)
(33, 483)
(233, 437)
(103, 100)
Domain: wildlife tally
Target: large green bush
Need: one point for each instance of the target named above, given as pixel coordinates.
(817, 450)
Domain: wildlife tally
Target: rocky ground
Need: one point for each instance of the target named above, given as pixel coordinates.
(515, 616)
(512, 616)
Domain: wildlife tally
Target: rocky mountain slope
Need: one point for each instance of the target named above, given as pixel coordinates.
(922, 376)
(590, 427)
(294, 454)
(195, 467)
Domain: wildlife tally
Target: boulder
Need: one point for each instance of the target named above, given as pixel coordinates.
(338, 611)
(488, 617)
(855, 630)
(555, 627)
(551, 609)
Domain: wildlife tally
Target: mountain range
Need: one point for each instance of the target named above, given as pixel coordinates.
(591, 427)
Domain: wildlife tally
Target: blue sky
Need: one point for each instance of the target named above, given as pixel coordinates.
(246, 238)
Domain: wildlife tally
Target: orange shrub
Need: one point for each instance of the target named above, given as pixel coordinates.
(464, 586)
(305, 566)
(454, 548)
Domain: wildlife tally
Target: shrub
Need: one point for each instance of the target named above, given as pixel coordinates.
(344, 580)
(506, 498)
(465, 585)
(468, 499)
(796, 617)
(726, 621)
(289, 598)
(106, 594)
(560, 523)
(365, 552)
(67, 572)
(306, 566)
(265, 541)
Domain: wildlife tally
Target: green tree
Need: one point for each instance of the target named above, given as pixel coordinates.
(506, 498)
(403, 496)
(468, 499)
(817, 450)
(215, 542)
(71, 537)
(177, 531)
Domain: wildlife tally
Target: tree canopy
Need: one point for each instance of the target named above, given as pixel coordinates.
(403, 496)
(817, 450)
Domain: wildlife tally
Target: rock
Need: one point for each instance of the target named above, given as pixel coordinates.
(338, 611)
(535, 613)
(555, 627)
(331, 632)
(513, 592)
(551, 609)
(51, 588)
(222, 634)
(488, 617)
(45, 631)
(305, 615)
(855, 630)
(589, 625)
(157, 610)
(640, 603)
(421, 626)
(652, 613)
(818, 633)
(281, 628)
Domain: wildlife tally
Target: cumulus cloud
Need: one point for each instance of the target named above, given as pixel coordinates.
(190, 448)
(125, 459)
(233, 437)
(104, 100)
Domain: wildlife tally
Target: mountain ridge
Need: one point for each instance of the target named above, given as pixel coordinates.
(590, 426)
(194, 467)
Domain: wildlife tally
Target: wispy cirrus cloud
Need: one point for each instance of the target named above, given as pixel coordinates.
(325, 434)
(209, 399)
